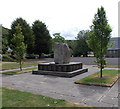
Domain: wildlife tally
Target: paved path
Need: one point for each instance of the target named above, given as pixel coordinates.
(88, 60)
(64, 88)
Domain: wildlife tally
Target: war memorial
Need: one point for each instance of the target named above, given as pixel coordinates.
(61, 66)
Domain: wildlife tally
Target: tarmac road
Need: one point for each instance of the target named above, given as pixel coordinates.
(64, 88)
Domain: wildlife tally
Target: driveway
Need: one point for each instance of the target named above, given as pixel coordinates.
(64, 88)
(87, 60)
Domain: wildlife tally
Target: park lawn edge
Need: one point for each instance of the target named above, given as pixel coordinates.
(114, 80)
(97, 84)
(112, 66)
(15, 65)
(109, 66)
(34, 94)
(18, 71)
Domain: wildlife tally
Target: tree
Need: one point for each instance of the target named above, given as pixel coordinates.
(0, 41)
(26, 31)
(5, 34)
(18, 45)
(99, 37)
(72, 46)
(58, 38)
(43, 40)
(81, 44)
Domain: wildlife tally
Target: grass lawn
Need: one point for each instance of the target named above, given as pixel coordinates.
(113, 66)
(12, 65)
(16, 98)
(110, 66)
(109, 78)
(18, 71)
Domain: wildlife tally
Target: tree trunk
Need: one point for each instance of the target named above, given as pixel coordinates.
(101, 70)
(101, 60)
(20, 66)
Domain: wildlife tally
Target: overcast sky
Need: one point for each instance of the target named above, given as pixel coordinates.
(67, 17)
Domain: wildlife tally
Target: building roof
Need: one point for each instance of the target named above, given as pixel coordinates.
(116, 41)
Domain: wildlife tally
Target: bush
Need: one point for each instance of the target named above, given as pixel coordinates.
(32, 56)
(7, 58)
(47, 55)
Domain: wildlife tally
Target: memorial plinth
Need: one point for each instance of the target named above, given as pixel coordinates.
(61, 70)
(60, 67)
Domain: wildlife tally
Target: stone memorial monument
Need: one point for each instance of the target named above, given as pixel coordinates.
(61, 53)
(61, 66)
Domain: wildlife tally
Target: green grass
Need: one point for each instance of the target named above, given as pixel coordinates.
(18, 71)
(16, 98)
(12, 65)
(113, 66)
(10, 72)
(110, 66)
(109, 78)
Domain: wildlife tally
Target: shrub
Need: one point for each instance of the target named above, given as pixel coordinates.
(32, 56)
(7, 58)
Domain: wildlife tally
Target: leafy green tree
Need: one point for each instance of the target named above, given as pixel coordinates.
(0, 42)
(26, 31)
(18, 45)
(99, 37)
(58, 38)
(72, 46)
(5, 34)
(4, 45)
(43, 40)
(81, 44)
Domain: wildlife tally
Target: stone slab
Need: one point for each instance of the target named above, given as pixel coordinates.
(61, 74)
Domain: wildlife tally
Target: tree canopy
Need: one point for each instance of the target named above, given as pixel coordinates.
(26, 31)
(58, 38)
(81, 44)
(43, 39)
(99, 37)
(18, 45)
(5, 34)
